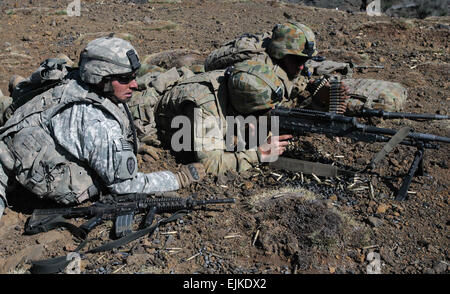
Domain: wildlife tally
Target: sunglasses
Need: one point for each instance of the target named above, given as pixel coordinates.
(123, 79)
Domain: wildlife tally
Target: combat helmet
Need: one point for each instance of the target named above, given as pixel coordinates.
(292, 38)
(107, 56)
(253, 87)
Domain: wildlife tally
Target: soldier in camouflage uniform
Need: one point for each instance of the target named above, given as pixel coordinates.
(264, 73)
(279, 48)
(77, 138)
(250, 87)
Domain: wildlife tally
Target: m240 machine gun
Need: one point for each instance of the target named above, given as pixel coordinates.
(301, 121)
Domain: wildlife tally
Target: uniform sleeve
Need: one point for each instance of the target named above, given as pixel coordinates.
(3, 183)
(95, 138)
(210, 148)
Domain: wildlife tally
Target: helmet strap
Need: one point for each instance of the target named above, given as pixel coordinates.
(309, 48)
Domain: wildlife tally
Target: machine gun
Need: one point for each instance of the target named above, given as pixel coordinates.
(119, 207)
(300, 121)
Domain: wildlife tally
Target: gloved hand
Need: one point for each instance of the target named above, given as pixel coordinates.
(145, 149)
(191, 173)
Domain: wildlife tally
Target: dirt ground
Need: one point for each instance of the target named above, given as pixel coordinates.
(282, 222)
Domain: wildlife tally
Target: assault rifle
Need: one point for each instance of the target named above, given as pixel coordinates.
(122, 208)
(300, 121)
(115, 207)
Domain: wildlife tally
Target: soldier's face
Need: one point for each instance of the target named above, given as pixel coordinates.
(123, 89)
(293, 65)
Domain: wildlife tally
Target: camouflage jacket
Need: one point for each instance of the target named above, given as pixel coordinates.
(67, 139)
(210, 94)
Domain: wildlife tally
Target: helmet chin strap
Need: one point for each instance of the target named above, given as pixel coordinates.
(106, 89)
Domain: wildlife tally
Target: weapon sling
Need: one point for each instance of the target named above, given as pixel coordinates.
(57, 264)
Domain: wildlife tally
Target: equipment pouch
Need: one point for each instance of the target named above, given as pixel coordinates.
(43, 170)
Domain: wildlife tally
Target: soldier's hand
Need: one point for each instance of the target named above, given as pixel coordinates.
(274, 147)
(145, 149)
(191, 173)
(151, 139)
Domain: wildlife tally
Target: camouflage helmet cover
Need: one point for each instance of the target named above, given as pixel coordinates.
(292, 38)
(253, 86)
(107, 56)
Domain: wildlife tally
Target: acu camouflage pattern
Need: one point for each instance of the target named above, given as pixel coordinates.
(65, 140)
(50, 72)
(291, 38)
(39, 164)
(5, 102)
(103, 57)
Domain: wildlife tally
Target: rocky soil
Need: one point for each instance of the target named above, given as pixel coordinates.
(282, 222)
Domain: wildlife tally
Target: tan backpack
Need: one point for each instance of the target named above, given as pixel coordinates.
(237, 50)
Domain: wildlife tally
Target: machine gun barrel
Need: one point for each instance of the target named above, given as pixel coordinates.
(387, 115)
(314, 121)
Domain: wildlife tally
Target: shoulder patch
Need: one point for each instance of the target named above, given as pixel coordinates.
(131, 165)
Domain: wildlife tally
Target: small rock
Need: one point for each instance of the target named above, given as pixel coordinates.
(137, 259)
(382, 208)
(386, 255)
(374, 221)
(287, 15)
(70, 247)
(27, 38)
(440, 267)
(362, 161)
